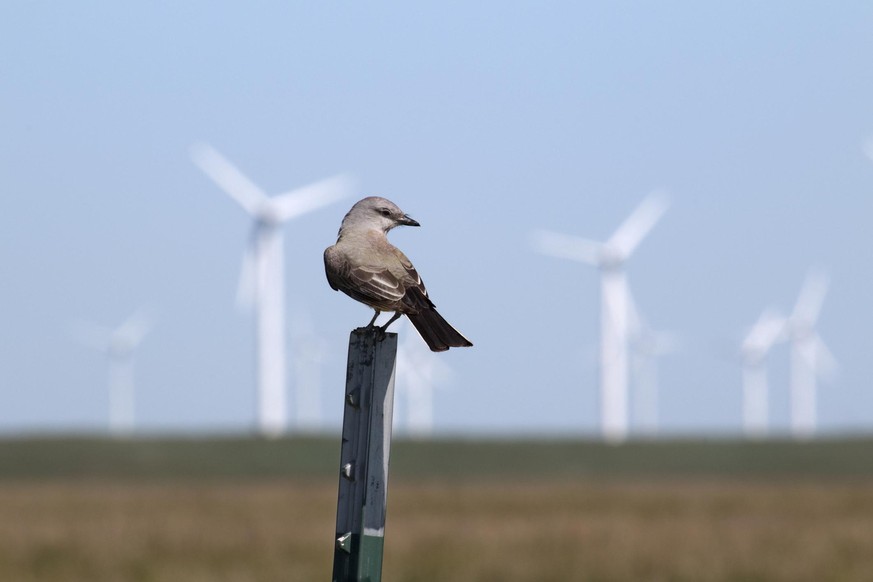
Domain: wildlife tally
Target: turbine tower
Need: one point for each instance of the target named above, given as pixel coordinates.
(764, 334)
(262, 279)
(119, 345)
(418, 372)
(810, 358)
(610, 258)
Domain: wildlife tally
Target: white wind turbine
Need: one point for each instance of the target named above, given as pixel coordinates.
(263, 273)
(419, 371)
(308, 353)
(647, 347)
(764, 334)
(119, 345)
(810, 358)
(610, 257)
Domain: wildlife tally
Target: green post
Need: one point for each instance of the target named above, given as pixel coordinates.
(363, 481)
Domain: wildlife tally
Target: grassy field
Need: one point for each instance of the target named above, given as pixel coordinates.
(248, 510)
(248, 458)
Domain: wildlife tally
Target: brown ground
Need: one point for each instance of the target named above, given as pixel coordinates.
(690, 530)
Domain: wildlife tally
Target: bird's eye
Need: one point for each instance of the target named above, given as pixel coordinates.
(384, 212)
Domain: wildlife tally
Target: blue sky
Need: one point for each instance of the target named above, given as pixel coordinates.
(481, 120)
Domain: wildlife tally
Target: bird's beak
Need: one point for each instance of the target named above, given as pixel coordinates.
(407, 221)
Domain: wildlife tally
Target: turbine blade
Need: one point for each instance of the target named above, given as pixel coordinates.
(566, 246)
(308, 198)
(769, 328)
(811, 298)
(636, 226)
(228, 177)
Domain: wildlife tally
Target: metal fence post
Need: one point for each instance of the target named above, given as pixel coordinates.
(366, 442)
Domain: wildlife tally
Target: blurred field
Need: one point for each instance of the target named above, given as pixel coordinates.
(248, 510)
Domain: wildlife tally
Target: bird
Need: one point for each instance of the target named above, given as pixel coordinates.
(366, 267)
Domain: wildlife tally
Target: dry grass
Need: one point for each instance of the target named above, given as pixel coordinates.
(201, 531)
(487, 530)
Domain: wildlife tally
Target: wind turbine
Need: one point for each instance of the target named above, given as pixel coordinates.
(119, 345)
(647, 346)
(764, 334)
(262, 279)
(610, 257)
(308, 353)
(418, 372)
(810, 357)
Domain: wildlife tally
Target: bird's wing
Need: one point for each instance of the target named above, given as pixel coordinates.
(415, 297)
(375, 286)
(409, 275)
(383, 289)
(393, 285)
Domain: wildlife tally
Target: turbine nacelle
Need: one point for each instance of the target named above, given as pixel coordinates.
(801, 330)
(611, 258)
(268, 214)
(655, 343)
(120, 348)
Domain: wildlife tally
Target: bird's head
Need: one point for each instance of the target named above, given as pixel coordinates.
(374, 212)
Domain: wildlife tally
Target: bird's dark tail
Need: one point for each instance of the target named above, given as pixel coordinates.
(436, 331)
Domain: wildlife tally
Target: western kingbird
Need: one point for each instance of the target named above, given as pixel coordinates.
(366, 267)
